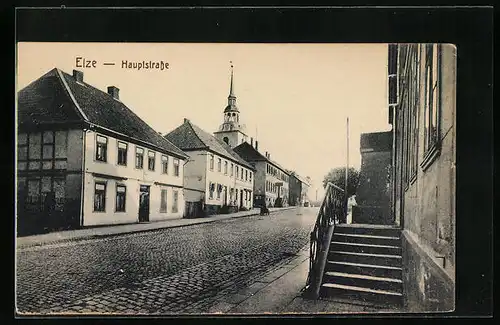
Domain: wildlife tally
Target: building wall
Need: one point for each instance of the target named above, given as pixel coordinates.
(113, 174)
(296, 189)
(259, 183)
(195, 176)
(428, 201)
(305, 192)
(373, 192)
(49, 160)
(234, 138)
(272, 191)
(214, 176)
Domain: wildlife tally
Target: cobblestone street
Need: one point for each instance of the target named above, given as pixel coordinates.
(178, 270)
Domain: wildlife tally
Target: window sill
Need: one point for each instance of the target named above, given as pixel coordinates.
(430, 157)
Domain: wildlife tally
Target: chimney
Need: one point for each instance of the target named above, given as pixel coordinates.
(78, 75)
(266, 154)
(186, 120)
(256, 145)
(113, 91)
(251, 142)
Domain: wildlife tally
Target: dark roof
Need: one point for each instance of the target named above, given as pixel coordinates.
(378, 141)
(231, 108)
(300, 178)
(57, 97)
(249, 153)
(189, 136)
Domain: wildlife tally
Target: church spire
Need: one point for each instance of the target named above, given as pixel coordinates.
(231, 89)
(231, 99)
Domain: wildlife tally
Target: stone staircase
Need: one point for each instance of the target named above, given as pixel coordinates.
(364, 263)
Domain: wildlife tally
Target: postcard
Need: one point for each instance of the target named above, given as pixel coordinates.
(235, 178)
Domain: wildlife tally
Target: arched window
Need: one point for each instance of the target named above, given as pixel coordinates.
(226, 140)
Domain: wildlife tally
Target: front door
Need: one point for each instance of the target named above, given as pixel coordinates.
(144, 204)
(241, 198)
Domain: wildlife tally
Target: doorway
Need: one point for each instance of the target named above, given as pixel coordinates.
(241, 198)
(144, 203)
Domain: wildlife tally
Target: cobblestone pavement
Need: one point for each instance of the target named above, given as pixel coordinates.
(177, 270)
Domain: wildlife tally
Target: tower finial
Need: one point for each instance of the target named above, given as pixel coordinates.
(231, 89)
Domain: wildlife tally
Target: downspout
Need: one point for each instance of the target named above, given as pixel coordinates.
(82, 197)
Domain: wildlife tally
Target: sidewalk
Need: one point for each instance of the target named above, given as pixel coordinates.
(280, 293)
(99, 232)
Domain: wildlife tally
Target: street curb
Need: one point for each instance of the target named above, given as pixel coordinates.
(103, 236)
(302, 258)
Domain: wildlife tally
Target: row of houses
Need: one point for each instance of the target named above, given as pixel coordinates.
(84, 159)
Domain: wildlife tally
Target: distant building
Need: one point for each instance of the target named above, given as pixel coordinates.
(214, 174)
(271, 184)
(84, 158)
(373, 192)
(422, 92)
(299, 188)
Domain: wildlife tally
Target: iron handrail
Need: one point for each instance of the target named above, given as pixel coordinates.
(332, 207)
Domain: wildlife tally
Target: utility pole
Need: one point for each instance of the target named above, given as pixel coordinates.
(347, 157)
(346, 171)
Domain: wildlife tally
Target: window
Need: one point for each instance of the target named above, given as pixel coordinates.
(241, 174)
(151, 160)
(225, 167)
(175, 202)
(431, 104)
(101, 149)
(38, 191)
(139, 157)
(232, 169)
(246, 175)
(164, 164)
(122, 153)
(219, 165)
(176, 167)
(414, 104)
(22, 150)
(237, 172)
(120, 198)
(250, 176)
(46, 150)
(211, 162)
(211, 189)
(163, 201)
(219, 190)
(100, 197)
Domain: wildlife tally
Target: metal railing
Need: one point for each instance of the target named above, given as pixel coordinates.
(333, 208)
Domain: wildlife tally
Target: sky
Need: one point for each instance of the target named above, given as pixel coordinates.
(293, 98)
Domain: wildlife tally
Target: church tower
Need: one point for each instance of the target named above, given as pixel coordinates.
(231, 131)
